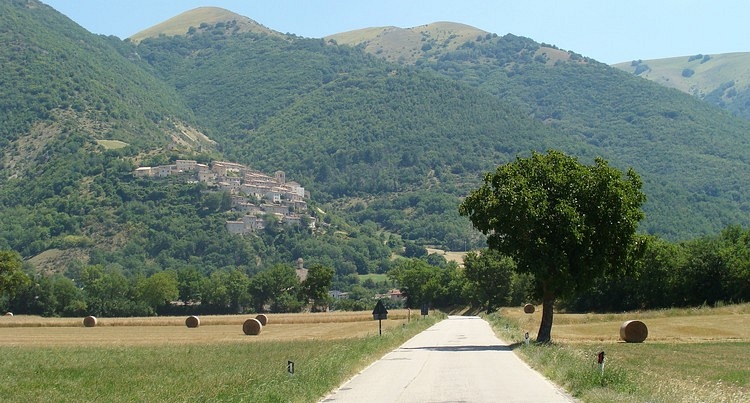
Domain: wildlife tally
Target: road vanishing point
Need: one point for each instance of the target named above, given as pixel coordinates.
(457, 360)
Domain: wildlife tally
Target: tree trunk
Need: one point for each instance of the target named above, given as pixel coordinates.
(545, 328)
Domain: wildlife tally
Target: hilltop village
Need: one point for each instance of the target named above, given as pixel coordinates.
(253, 193)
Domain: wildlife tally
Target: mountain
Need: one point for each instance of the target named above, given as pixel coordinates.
(363, 119)
(422, 43)
(722, 79)
(387, 134)
(201, 18)
(408, 44)
(64, 78)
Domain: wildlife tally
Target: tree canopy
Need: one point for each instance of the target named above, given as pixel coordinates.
(564, 222)
(11, 276)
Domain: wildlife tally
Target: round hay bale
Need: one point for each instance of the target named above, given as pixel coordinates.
(263, 319)
(633, 331)
(89, 321)
(8, 313)
(192, 321)
(252, 327)
(529, 308)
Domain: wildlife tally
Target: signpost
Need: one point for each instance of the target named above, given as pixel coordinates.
(600, 361)
(380, 313)
(425, 310)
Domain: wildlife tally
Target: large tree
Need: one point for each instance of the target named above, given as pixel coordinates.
(12, 278)
(489, 275)
(315, 287)
(562, 221)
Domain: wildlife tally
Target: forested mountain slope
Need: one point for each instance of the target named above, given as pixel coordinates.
(79, 114)
(692, 156)
(54, 70)
(390, 145)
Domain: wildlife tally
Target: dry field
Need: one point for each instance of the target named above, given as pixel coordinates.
(729, 323)
(457, 257)
(37, 331)
(695, 354)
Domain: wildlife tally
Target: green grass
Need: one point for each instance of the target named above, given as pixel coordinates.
(253, 371)
(377, 278)
(112, 144)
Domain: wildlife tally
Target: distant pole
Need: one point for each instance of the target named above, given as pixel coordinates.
(380, 327)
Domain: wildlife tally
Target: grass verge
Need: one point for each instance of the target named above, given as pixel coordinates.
(694, 367)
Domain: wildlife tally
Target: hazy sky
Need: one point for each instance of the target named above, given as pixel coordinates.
(606, 30)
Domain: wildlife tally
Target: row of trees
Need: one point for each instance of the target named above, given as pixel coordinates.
(107, 291)
(658, 274)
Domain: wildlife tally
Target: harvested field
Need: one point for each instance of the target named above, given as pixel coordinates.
(691, 354)
(160, 359)
(37, 331)
(671, 325)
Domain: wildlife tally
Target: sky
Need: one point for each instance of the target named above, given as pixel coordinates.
(605, 30)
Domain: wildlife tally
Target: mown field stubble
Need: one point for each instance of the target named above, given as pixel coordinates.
(161, 359)
(699, 354)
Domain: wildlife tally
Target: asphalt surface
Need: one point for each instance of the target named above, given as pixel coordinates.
(457, 360)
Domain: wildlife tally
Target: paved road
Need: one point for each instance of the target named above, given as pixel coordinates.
(457, 360)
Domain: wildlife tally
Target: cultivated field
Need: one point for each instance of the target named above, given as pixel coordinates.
(37, 331)
(161, 359)
(700, 354)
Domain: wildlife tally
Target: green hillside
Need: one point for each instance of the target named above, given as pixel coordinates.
(354, 113)
(58, 79)
(79, 113)
(387, 136)
(722, 79)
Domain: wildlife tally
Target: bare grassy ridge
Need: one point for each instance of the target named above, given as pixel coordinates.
(696, 354)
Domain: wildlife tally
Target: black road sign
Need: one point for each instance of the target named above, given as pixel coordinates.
(379, 313)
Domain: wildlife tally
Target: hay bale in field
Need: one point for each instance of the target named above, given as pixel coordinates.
(192, 321)
(633, 331)
(263, 319)
(8, 313)
(89, 321)
(252, 327)
(529, 308)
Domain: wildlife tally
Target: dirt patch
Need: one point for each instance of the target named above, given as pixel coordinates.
(457, 257)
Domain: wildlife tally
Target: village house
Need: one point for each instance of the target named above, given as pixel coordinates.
(283, 200)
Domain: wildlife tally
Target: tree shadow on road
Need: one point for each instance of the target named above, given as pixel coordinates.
(495, 347)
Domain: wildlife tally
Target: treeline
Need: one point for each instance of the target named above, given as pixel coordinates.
(108, 291)
(660, 274)
(710, 270)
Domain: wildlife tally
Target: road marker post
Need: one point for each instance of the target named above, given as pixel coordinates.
(290, 368)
